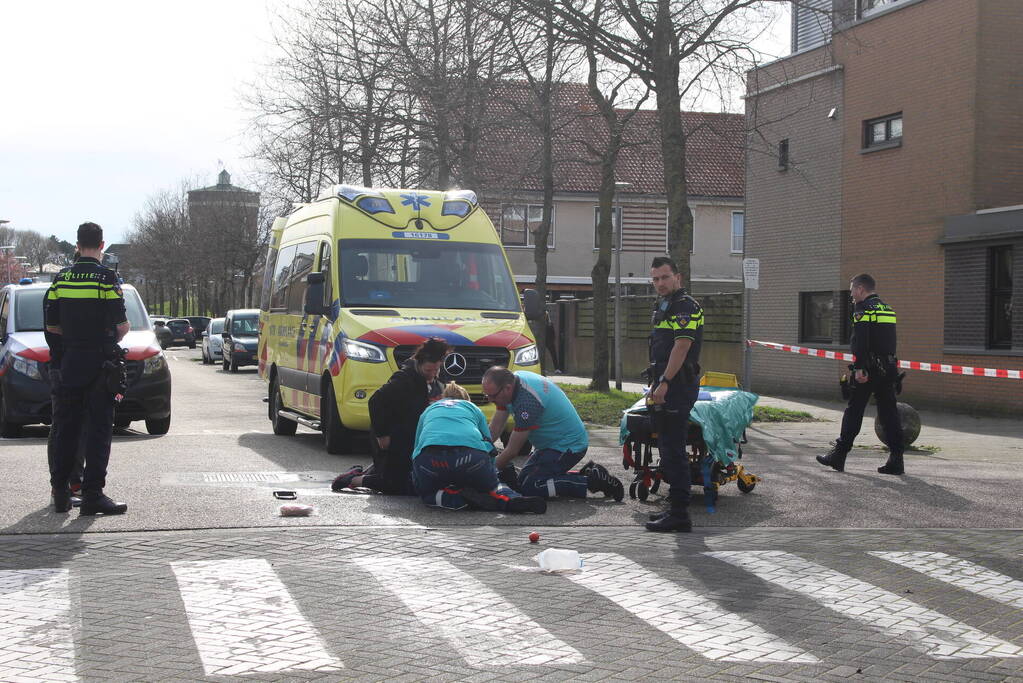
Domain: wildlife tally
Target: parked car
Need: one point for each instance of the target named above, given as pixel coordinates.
(240, 337)
(162, 332)
(25, 364)
(181, 333)
(198, 323)
(212, 342)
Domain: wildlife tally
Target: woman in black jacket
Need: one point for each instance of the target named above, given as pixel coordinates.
(394, 411)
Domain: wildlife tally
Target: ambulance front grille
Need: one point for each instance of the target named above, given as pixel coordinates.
(478, 359)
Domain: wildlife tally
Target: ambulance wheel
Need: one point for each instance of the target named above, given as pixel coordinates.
(632, 490)
(336, 436)
(192, 345)
(744, 487)
(282, 426)
(642, 491)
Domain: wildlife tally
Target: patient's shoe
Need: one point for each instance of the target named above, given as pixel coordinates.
(344, 481)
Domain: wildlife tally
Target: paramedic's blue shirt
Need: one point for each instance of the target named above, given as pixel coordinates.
(452, 422)
(540, 407)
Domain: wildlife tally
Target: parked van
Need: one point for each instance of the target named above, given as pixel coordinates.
(357, 279)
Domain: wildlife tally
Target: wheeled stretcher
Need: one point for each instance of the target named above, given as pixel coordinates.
(717, 426)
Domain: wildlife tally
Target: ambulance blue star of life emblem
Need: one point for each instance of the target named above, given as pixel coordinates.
(416, 201)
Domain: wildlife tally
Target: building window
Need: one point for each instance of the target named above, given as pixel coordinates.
(845, 313)
(783, 154)
(816, 313)
(519, 223)
(738, 231)
(885, 131)
(616, 221)
(1000, 298)
(870, 6)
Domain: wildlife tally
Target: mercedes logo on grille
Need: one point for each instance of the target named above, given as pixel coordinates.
(455, 364)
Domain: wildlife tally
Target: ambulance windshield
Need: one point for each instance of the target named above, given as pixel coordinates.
(421, 273)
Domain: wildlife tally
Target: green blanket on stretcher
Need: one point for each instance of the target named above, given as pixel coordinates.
(722, 413)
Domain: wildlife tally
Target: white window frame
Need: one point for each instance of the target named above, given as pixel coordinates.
(530, 240)
(615, 211)
(742, 235)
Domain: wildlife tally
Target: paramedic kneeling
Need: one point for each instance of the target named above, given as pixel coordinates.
(451, 462)
(675, 385)
(546, 417)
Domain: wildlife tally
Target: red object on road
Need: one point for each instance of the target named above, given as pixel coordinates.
(534, 537)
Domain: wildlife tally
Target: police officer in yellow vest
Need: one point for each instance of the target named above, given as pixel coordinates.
(84, 305)
(875, 371)
(675, 385)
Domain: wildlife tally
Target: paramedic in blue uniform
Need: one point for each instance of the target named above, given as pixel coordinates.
(675, 385)
(452, 465)
(547, 419)
(84, 305)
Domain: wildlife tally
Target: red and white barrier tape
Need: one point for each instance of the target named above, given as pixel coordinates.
(907, 364)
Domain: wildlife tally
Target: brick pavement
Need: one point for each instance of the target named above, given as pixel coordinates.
(375, 603)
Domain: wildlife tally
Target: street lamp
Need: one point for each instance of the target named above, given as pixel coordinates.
(620, 185)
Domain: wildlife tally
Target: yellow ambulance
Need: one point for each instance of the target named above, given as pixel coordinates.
(357, 279)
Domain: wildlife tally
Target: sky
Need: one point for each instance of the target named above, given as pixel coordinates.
(104, 104)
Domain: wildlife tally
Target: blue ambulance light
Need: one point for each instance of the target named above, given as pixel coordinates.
(375, 205)
(456, 208)
(25, 281)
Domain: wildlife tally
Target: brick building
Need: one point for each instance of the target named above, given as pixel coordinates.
(891, 141)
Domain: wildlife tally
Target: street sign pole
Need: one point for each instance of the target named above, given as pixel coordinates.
(751, 281)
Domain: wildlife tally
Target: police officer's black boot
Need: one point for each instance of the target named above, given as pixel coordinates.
(835, 458)
(100, 504)
(893, 466)
(675, 520)
(61, 499)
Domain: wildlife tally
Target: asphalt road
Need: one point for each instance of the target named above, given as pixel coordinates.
(220, 462)
(815, 575)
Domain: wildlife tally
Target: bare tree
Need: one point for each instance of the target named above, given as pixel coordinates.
(679, 49)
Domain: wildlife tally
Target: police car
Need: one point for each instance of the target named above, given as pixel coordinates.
(25, 364)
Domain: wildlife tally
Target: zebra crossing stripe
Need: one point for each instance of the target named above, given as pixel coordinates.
(483, 627)
(935, 634)
(36, 626)
(688, 617)
(244, 621)
(961, 574)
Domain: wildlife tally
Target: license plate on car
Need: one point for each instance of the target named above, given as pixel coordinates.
(180, 339)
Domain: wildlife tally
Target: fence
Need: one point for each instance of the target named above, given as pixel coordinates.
(722, 335)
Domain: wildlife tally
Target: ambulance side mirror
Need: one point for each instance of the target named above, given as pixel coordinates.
(314, 295)
(531, 304)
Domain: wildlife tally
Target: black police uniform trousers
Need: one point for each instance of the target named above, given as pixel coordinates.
(82, 413)
(852, 420)
(673, 428)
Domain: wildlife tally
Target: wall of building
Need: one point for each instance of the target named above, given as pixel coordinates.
(895, 200)
(573, 253)
(793, 215)
(998, 173)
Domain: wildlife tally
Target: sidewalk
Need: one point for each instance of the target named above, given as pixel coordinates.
(943, 435)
